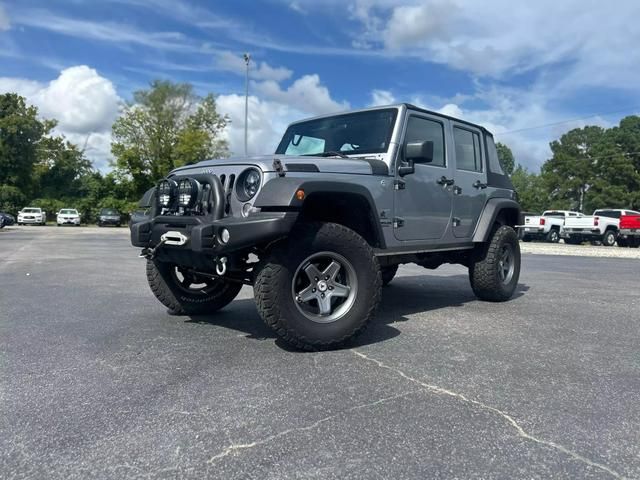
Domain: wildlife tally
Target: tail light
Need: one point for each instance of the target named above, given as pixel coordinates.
(542, 221)
(596, 221)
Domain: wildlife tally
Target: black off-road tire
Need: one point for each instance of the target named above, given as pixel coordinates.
(609, 238)
(573, 241)
(273, 286)
(553, 236)
(388, 273)
(526, 238)
(485, 264)
(166, 290)
(622, 242)
(634, 242)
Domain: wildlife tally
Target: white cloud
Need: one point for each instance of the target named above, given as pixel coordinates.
(5, 24)
(306, 94)
(381, 97)
(229, 62)
(84, 103)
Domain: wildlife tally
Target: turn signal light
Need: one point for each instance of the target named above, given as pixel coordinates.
(300, 194)
(542, 221)
(596, 221)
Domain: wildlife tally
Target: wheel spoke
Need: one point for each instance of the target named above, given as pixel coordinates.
(312, 273)
(332, 270)
(340, 290)
(307, 294)
(324, 304)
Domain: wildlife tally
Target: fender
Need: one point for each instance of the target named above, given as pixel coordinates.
(280, 195)
(492, 209)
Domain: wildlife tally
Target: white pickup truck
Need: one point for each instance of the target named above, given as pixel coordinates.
(32, 215)
(548, 226)
(602, 226)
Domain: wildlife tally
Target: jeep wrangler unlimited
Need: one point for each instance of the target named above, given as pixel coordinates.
(318, 228)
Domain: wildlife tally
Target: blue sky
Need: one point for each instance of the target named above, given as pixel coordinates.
(512, 66)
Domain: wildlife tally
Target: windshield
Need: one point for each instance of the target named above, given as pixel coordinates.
(68, 211)
(108, 211)
(30, 210)
(352, 134)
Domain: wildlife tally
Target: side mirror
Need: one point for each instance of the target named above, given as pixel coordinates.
(419, 152)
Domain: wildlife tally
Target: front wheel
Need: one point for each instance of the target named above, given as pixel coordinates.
(183, 292)
(319, 288)
(494, 269)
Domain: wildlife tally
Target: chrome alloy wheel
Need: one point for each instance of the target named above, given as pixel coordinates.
(324, 287)
(506, 264)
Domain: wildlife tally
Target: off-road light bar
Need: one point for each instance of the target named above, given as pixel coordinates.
(188, 189)
(167, 192)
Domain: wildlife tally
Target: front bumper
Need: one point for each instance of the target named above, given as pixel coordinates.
(30, 220)
(109, 221)
(202, 234)
(68, 221)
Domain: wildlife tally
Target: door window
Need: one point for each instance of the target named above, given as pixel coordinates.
(467, 150)
(420, 130)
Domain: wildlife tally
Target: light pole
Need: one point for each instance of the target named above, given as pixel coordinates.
(247, 59)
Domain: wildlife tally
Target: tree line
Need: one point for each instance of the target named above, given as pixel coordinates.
(162, 128)
(168, 125)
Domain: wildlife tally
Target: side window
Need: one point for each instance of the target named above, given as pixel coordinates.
(467, 150)
(494, 161)
(420, 130)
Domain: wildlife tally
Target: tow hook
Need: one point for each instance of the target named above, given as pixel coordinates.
(221, 266)
(150, 253)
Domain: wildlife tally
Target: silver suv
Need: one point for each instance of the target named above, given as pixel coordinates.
(321, 226)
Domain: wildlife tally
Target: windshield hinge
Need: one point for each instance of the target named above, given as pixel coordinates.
(398, 222)
(277, 166)
(399, 184)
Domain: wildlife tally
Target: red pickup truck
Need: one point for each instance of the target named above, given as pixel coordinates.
(629, 232)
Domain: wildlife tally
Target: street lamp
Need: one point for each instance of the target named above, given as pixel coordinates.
(247, 59)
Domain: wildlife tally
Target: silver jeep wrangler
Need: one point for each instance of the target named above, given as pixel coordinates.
(321, 226)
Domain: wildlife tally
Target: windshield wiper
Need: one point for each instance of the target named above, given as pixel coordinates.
(331, 153)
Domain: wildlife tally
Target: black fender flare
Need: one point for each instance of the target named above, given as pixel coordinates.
(492, 209)
(280, 195)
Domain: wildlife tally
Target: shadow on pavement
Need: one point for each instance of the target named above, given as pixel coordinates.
(405, 296)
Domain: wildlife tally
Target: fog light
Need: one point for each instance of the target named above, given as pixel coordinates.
(166, 192)
(224, 235)
(188, 189)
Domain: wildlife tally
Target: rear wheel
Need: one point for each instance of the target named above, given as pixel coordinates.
(553, 236)
(320, 288)
(183, 292)
(526, 238)
(494, 269)
(622, 242)
(609, 238)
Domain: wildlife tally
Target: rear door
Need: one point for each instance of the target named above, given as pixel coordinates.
(470, 189)
(422, 200)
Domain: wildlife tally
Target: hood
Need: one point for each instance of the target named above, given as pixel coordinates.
(357, 166)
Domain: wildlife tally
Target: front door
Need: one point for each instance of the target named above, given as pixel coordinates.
(423, 199)
(469, 191)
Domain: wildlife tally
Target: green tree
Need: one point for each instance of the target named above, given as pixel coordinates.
(60, 167)
(21, 133)
(532, 192)
(164, 127)
(505, 155)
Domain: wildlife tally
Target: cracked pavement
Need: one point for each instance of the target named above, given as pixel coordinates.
(97, 381)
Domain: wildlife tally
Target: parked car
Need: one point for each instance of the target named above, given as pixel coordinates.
(602, 226)
(68, 216)
(6, 219)
(344, 201)
(138, 215)
(32, 215)
(629, 234)
(548, 226)
(109, 216)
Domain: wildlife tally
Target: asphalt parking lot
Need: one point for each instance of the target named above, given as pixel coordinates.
(99, 382)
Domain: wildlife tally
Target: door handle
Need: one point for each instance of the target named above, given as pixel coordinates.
(445, 181)
(457, 190)
(478, 184)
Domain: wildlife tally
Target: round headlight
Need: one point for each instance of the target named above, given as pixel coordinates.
(188, 189)
(166, 192)
(249, 185)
